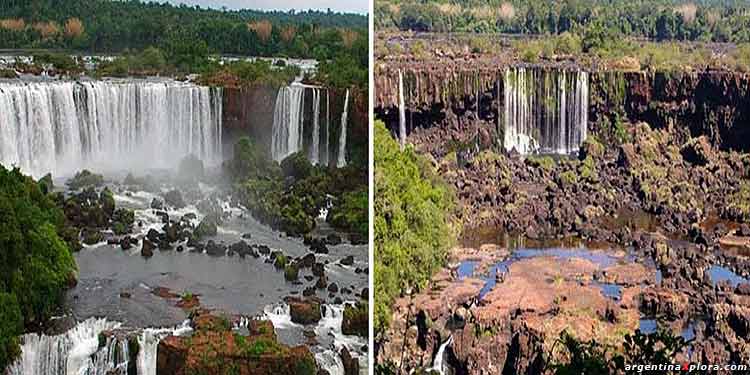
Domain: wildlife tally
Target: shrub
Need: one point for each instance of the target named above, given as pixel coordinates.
(351, 213)
(412, 225)
(36, 266)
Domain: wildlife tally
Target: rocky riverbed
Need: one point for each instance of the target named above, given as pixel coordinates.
(155, 251)
(649, 233)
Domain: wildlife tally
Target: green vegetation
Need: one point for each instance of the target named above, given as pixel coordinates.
(412, 223)
(712, 20)
(116, 26)
(290, 195)
(36, 265)
(591, 357)
(351, 214)
(165, 39)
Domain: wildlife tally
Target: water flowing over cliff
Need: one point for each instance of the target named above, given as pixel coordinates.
(62, 127)
(85, 350)
(546, 110)
(288, 117)
(342, 134)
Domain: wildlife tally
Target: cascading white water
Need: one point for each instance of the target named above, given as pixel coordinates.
(69, 353)
(546, 110)
(439, 364)
(289, 124)
(401, 110)
(77, 351)
(63, 127)
(326, 157)
(288, 118)
(342, 135)
(315, 147)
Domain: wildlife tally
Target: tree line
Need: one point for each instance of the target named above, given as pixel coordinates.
(706, 20)
(103, 26)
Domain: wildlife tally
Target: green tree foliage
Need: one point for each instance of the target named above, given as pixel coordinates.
(36, 266)
(351, 214)
(707, 20)
(412, 228)
(577, 357)
(289, 196)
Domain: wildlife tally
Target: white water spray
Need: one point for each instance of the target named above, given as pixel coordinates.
(342, 136)
(401, 110)
(62, 127)
(546, 111)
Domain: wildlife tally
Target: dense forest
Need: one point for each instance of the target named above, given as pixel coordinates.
(161, 37)
(707, 20)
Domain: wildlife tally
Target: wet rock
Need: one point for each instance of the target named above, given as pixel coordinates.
(333, 288)
(126, 243)
(164, 245)
(153, 235)
(348, 261)
(247, 236)
(307, 261)
(304, 310)
(309, 291)
(333, 239)
(122, 221)
(322, 282)
(174, 199)
(207, 227)
(147, 250)
(318, 269)
(242, 249)
(172, 232)
(263, 249)
(157, 204)
(357, 239)
(351, 365)
(163, 216)
(365, 293)
(744, 230)
(125, 294)
(215, 250)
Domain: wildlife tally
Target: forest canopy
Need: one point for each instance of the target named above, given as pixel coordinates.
(103, 26)
(706, 20)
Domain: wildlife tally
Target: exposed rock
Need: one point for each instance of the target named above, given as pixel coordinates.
(348, 261)
(207, 227)
(174, 199)
(351, 365)
(304, 311)
(147, 250)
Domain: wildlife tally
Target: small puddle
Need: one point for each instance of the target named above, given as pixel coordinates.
(467, 268)
(719, 274)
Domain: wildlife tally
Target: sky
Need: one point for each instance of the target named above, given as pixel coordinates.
(353, 6)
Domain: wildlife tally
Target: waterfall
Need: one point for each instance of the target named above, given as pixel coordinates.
(71, 353)
(326, 158)
(288, 116)
(546, 110)
(62, 127)
(401, 110)
(315, 147)
(342, 135)
(79, 351)
(439, 364)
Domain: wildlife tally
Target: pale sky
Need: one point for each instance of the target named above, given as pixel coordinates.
(350, 6)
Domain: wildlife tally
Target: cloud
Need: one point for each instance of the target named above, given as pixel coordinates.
(355, 6)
